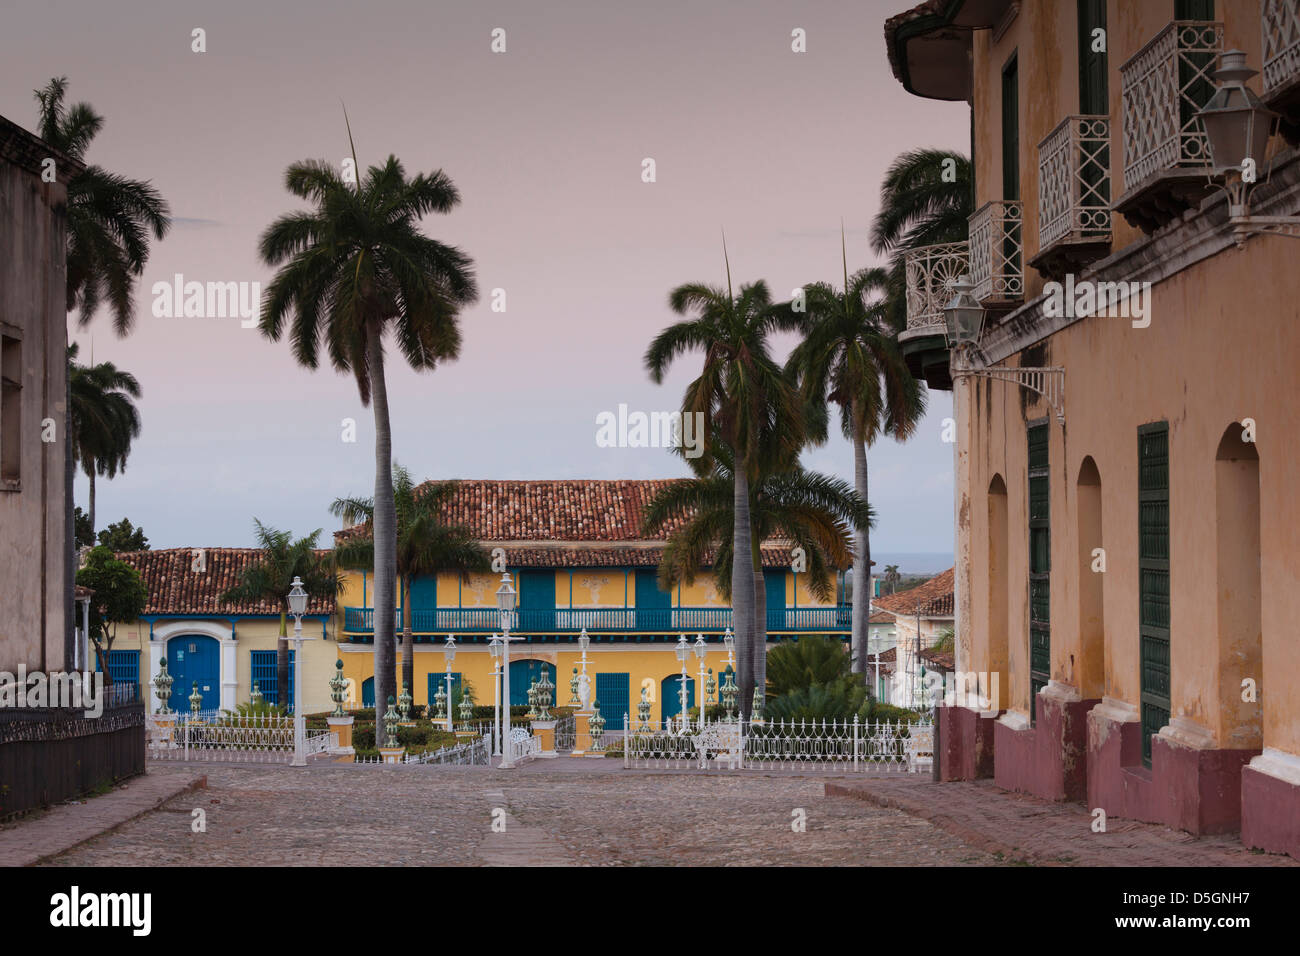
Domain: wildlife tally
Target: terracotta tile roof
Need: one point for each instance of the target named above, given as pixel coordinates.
(886, 657)
(881, 617)
(175, 588)
(934, 598)
(942, 660)
(540, 511)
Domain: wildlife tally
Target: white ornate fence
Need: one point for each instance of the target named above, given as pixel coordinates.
(930, 272)
(246, 738)
(1281, 35)
(996, 252)
(837, 746)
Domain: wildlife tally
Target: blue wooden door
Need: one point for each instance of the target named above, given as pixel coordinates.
(522, 675)
(774, 584)
(368, 692)
(653, 605)
(670, 690)
(536, 604)
(612, 695)
(191, 659)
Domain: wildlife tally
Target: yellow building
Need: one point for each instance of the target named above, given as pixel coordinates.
(578, 560)
(1127, 558)
(574, 552)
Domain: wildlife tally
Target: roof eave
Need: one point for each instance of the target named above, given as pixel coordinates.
(945, 26)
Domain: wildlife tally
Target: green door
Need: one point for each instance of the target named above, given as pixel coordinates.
(1153, 570)
(536, 601)
(612, 695)
(653, 604)
(1040, 566)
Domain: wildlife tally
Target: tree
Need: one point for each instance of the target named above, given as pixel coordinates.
(83, 530)
(102, 419)
(353, 268)
(283, 559)
(849, 357)
(926, 198)
(109, 221)
(110, 217)
(123, 537)
(812, 659)
(120, 597)
(892, 577)
(425, 545)
(812, 511)
(746, 402)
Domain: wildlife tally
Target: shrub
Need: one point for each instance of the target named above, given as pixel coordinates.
(812, 659)
(840, 699)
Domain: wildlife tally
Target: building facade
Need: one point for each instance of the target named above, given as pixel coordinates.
(1131, 571)
(578, 562)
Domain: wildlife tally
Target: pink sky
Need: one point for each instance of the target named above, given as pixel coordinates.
(545, 143)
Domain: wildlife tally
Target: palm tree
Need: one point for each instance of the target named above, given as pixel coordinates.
(283, 559)
(926, 198)
(110, 217)
(109, 222)
(811, 511)
(102, 419)
(425, 545)
(353, 268)
(849, 357)
(892, 577)
(747, 403)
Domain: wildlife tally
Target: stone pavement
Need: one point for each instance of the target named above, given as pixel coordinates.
(1022, 828)
(31, 839)
(567, 811)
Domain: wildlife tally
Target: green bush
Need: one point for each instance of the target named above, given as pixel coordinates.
(878, 712)
(812, 659)
(840, 699)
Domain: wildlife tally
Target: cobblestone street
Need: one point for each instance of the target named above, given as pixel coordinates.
(580, 813)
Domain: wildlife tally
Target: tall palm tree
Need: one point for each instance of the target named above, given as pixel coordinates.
(102, 419)
(747, 403)
(284, 558)
(425, 545)
(849, 357)
(110, 217)
(354, 267)
(926, 198)
(811, 511)
(892, 577)
(109, 222)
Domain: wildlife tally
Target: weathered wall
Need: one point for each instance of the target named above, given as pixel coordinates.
(32, 550)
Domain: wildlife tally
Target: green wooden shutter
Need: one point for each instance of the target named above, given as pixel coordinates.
(1040, 566)
(1011, 129)
(1153, 570)
(1093, 81)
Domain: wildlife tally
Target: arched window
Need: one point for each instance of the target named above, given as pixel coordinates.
(1090, 672)
(996, 564)
(1240, 627)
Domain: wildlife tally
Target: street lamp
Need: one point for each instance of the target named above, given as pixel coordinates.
(1237, 130)
(683, 652)
(506, 605)
(963, 322)
(298, 607)
(700, 651)
(449, 654)
(494, 649)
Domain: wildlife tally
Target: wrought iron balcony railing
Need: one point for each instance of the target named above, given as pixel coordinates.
(360, 620)
(1074, 182)
(997, 252)
(1165, 84)
(930, 272)
(1281, 36)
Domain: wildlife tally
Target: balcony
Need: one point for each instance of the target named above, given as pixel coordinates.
(997, 254)
(929, 272)
(1281, 45)
(1073, 196)
(1166, 156)
(486, 620)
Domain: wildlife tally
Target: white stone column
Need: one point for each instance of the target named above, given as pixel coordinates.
(229, 672)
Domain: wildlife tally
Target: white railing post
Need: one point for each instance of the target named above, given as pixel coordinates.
(855, 741)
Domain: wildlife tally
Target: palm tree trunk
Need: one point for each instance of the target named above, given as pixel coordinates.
(742, 588)
(282, 663)
(90, 473)
(862, 558)
(70, 534)
(385, 533)
(760, 626)
(408, 640)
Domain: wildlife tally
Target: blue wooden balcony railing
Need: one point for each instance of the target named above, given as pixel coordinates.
(360, 620)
